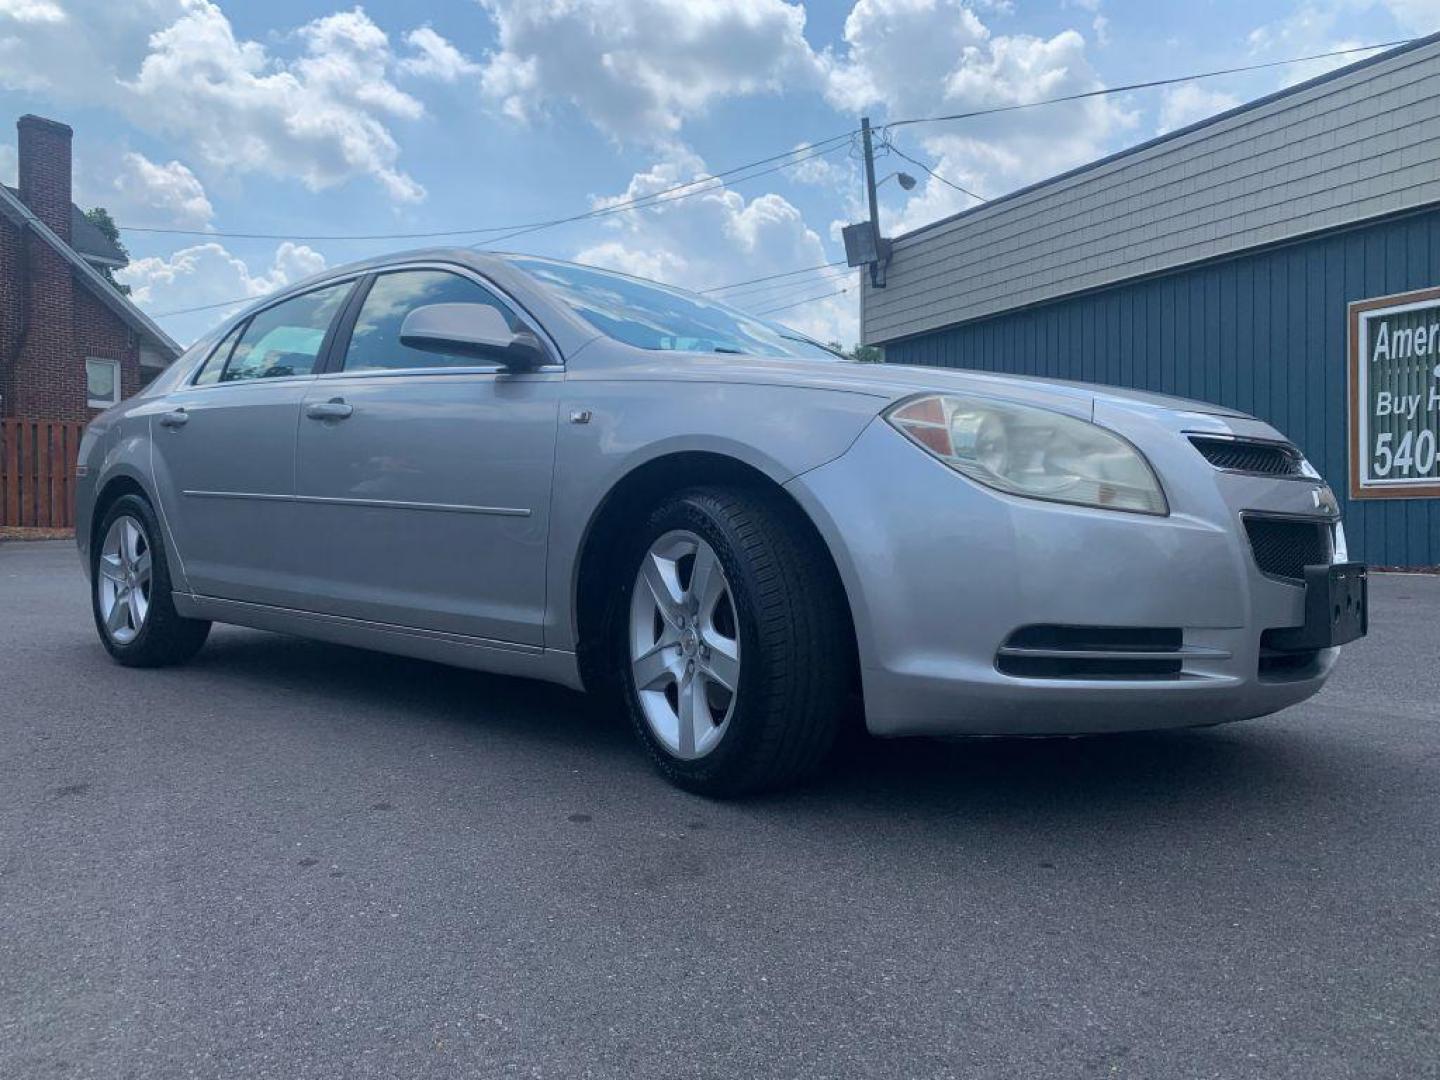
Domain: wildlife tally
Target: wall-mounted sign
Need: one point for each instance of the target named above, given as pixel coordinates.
(1395, 396)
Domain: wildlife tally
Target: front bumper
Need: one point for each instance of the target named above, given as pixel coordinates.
(941, 572)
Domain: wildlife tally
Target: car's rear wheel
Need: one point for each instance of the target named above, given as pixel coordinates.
(734, 645)
(130, 591)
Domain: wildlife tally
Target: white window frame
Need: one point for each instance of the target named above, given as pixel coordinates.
(102, 403)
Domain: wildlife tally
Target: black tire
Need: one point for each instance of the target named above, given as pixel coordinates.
(165, 637)
(794, 635)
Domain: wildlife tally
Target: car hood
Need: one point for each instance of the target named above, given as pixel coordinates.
(895, 381)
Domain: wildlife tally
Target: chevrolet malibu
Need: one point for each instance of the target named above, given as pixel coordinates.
(537, 468)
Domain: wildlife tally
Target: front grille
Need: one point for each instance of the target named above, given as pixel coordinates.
(1250, 455)
(1092, 652)
(1283, 547)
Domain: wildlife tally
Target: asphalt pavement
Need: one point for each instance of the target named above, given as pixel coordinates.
(294, 860)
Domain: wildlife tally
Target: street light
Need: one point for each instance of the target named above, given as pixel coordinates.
(864, 246)
(905, 180)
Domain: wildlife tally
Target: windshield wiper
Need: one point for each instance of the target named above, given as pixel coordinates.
(816, 344)
(728, 349)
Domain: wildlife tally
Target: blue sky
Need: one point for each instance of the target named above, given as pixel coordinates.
(310, 117)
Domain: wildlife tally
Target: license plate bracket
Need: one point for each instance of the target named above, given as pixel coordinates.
(1336, 609)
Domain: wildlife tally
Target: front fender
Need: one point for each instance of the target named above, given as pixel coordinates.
(610, 429)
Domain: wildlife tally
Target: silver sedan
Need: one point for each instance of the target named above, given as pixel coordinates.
(536, 468)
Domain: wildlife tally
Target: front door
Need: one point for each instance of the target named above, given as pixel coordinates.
(423, 481)
(224, 451)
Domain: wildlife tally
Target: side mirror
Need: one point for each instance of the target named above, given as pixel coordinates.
(477, 330)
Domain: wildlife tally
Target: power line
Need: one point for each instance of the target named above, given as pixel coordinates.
(714, 182)
(887, 142)
(762, 294)
(1145, 85)
(809, 280)
(773, 277)
(250, 299)
(797, 303)
(602, 211)
(157, 229)
(808, 150)
(936, 175)
(725, 299)
(207, 307)
(832, 142)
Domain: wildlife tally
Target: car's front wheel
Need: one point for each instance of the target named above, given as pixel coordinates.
(130, 591)
(736, 651)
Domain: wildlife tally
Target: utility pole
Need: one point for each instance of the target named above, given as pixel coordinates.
(882, 247)
(864, 246)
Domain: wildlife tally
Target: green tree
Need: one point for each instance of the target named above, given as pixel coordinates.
(866, 354)
(101, 219)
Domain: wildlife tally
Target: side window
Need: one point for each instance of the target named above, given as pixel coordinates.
(210, 373)
(285, 339)
(375, 341)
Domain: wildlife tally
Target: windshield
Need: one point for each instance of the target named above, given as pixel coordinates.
(652, 316)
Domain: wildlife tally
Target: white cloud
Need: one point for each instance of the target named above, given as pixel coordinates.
(900, 53)
(79, 57)
(820, 170)
(1189, 102)
(719, 237)
(143, 191)
(639, 68)
(928, 57)
(175, 68)
(435, 58)
(133, 188)
(1309, 29)
(321, 118)
(32, 11)
(1415, 16)
(209, 274)
(1320, 26)
(961, 163)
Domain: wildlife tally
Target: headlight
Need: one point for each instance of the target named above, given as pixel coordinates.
(1031, 452)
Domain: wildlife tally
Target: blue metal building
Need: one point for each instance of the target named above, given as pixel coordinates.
(1218, 262)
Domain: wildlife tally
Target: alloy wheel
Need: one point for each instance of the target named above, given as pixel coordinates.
(684, 644)
(122, 585)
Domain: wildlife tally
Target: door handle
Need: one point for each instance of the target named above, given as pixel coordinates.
(176, 418)
(334, 409)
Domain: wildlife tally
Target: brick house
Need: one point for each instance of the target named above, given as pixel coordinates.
(70, 342)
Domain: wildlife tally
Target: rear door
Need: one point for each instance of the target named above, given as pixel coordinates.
(224, 450)
(423, 481)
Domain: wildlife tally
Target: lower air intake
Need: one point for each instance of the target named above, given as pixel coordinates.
(1092, 652)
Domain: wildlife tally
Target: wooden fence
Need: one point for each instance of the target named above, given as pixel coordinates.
(37, 472)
